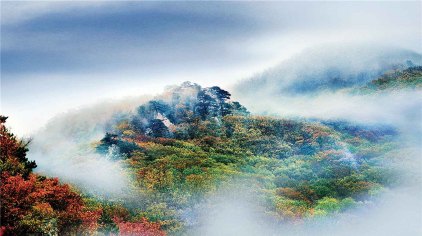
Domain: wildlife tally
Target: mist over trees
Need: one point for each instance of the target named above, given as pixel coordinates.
(33, 204)
(193, 141)
(185, 146)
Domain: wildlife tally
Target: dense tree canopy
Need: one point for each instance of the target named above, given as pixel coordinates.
(300, 168)
(32, 204)
(184, 147)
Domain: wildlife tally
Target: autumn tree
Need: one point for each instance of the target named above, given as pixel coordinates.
(32, 204)
(13, 153)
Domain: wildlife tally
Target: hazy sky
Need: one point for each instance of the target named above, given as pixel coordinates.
(61, 55)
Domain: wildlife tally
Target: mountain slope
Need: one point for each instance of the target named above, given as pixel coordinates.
(410, 78)
(186, 145)
(328, 69)
(32, 204)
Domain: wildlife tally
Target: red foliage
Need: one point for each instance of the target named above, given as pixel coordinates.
(33, 204)
(142, 228)
(21, 197)
(90, 220)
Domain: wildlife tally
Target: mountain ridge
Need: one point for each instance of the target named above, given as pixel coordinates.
(300, 168)
(328, 68)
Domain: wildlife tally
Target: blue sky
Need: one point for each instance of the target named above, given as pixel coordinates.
(61, 55)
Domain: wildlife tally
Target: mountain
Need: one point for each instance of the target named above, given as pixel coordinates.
(186, 145)
(181, 150)
(328, 68)
(410, 78)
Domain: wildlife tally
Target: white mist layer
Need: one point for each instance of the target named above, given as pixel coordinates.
(65, 148)
(395, 108)
(233, 213)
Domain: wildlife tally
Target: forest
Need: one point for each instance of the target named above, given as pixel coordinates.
(191, 143)
(210, 118)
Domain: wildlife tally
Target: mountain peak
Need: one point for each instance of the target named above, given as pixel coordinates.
(182, 104)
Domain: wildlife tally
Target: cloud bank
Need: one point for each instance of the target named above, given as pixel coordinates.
(65, 148)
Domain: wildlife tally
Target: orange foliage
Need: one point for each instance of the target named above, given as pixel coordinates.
(142, 228)
(290, 193)
(21, 197)
(90, 220)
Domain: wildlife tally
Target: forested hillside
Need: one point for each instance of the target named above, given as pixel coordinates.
(297, 118)
(410, 78)
(33, 204)
(186, 145)
(322, 70)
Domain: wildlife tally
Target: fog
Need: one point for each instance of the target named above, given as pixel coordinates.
(238, 218)
(386, 108)
(321, 82)
(65, 148)
(397, 211)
